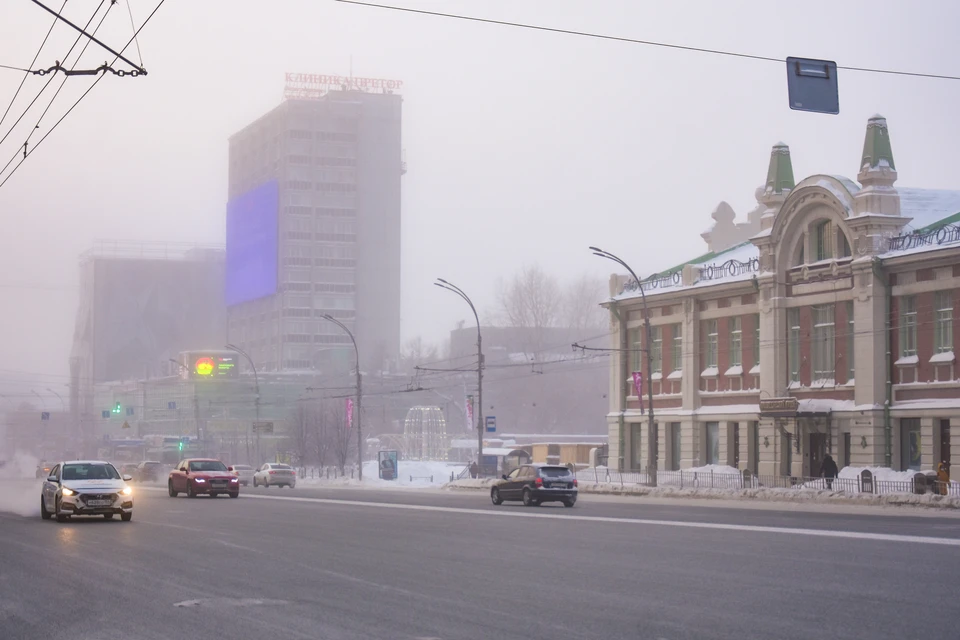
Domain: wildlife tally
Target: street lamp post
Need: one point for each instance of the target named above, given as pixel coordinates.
(43, 402)
(256, 382)
(443, 284)
(63, 406)
(356, 353)
(652, 436)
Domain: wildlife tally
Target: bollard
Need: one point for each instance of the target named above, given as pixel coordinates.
(431, 479)
(351, 474)
(451, 476)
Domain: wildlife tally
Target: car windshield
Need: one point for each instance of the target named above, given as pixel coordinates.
(207, 465)
(242, 467)
(90, 471)
(150, 465)
(554, 472)
(280, 466)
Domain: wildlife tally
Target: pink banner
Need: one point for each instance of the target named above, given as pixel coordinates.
(638, 386)
(349, 412)
(469, 412)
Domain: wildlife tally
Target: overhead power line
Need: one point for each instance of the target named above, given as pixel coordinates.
(650, 43)
(84, 95)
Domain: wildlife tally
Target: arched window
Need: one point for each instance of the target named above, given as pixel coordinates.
(823, 240)
(844, 246)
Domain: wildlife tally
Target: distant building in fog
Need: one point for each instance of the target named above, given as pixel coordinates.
(313, 228)
(140, 305)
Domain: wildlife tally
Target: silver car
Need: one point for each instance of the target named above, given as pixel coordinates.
(86, 488)
(274, 474)
(244, 473)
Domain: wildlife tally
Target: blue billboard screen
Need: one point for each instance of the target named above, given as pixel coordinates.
(252, 244)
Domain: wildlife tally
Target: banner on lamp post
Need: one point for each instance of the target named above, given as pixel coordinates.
(349, 413)
(469, 405)
(638, 386)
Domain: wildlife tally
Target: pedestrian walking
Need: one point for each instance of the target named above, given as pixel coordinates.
(829, 470)
(474, 469)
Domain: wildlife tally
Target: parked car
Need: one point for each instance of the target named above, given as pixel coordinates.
(244, 472)
(86, 488)
(43, 469)
(534, 484)
(195, 476)
(149, 471)
(276, 475)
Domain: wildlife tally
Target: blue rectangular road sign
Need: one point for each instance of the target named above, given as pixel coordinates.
(129, 411)
(44, 415)
(491, 424)
(171, 405)
(105, 414)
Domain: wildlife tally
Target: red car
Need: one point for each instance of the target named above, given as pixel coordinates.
(202, 475)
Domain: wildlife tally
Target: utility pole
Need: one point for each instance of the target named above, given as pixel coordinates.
(443, 284)
(653, 444)
(356, 353)
(256, 400)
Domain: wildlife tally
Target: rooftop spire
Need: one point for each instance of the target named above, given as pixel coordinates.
(780, 172)
(877, 152)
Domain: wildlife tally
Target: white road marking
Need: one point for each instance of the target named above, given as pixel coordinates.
(819, 533)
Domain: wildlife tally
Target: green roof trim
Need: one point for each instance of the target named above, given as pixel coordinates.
(710, 255)
(780, 171)
(939, 223)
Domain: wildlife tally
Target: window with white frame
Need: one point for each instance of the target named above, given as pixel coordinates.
(656, 351)
(824, 362)
(636, 346)
(756, 340)
(712, 342)
(793, 337)
(908, 326)
(943, 321)
(677, 351)
(851, 344)
(736, 343)
(823, 239)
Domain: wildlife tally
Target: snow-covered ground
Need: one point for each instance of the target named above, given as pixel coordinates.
(21, 493)
(411, 473)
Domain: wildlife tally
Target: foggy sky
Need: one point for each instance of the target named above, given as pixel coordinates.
(521, 146)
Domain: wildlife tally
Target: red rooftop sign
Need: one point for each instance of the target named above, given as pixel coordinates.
(310, 86)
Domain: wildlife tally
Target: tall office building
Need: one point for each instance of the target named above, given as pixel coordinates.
(313, 226)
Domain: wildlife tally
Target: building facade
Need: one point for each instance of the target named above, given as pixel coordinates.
(830, 331)
(336, 161)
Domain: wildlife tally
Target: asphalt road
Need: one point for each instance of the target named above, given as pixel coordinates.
(339, 563)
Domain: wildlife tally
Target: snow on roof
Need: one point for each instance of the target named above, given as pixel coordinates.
(927, 206)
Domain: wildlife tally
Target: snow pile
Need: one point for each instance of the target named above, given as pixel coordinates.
(411, 473)
(885, 474)
(21, 493)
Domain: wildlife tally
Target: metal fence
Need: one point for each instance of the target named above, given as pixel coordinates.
(687, 479)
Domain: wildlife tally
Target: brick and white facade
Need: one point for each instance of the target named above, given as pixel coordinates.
(830, 330)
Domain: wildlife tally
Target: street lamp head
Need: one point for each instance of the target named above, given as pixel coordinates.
(442, 280)
(596, 249)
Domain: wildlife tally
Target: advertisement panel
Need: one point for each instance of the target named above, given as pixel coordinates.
(252, 244)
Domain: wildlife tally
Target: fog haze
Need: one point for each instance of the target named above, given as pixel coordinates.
(521, 146)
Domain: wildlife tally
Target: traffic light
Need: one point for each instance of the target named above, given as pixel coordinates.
(181, 445)
(117, 408)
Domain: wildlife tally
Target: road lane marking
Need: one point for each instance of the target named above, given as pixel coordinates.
(819, 533)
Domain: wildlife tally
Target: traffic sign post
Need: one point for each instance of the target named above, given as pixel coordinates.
(44, 415)
(491, 424)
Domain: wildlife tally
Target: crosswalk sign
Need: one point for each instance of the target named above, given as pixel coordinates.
(126, 425)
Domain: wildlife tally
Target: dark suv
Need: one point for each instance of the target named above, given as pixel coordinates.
(534, 484)
(149, 471)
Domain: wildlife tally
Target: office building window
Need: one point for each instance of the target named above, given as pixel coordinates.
(824, 362)
(824, 240)
(793, 344)
(943, 321)
(736, 343)
(713, 443)
(908, 326)
(636, 346)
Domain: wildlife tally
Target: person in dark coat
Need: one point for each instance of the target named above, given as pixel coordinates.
(829, 470)
(474, 469)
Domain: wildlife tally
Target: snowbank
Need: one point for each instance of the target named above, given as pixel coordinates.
(879, 473)
(411, 473)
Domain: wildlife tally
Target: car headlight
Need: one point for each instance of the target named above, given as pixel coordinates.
(68, 492)
(126, 491)
(199, 480)
(234, 479)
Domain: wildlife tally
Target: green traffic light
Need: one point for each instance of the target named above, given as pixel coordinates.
(181, 445)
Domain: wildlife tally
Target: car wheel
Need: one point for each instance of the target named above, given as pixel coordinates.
(528, 500)
(60, 517)
(254, 482)
(108, 516)
(126, 517)
(190, 492)
(43, 510)
(234, 494)
(569, 503)
(170, 490)
(495, 496)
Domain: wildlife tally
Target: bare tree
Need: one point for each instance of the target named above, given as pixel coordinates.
(322, 435)
(301, 431)
(416, 352)
(342, 434)
(530, 300)
(581, 304)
